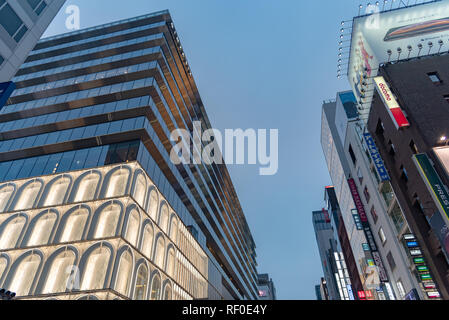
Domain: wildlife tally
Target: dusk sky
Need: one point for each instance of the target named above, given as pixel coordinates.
(262, 64)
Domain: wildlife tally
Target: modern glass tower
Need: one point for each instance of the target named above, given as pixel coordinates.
(22, 23)
(92, 206)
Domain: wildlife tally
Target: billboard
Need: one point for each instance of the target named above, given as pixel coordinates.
(395, 35)
(377, 159)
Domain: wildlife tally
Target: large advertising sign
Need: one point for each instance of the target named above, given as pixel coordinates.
(443, 156)
(393, 108)
(395, 35)
(433, 183)
(382, 273)
(377, 159)
(6, 89)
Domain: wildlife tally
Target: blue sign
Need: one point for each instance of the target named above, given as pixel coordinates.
(377, 159)
(6, 89)
(412, 244)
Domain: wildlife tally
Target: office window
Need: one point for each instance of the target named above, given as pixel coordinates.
(352, 154)
(11, 22)
(391, 261)
(434, 77)
(382, 236)
(37, 5)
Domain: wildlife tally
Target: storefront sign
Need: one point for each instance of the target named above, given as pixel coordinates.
(358, 201)
(377, 159)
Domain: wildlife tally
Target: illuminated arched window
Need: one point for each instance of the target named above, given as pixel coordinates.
(59, 273)
(57, 192)
(153, 205)
(170, 265)
(24, 275)
(95, 270)
(173, 228)
(156, 288)
(163, 219)
(87, 188)
(5, 195)
(74, 225)
(141, 283)
(167, 292)
(132, 228)
(117, 183)
(28, 196)
(160, 252)
(140, 189)
(147, 241)
(108, 221)
(11, 232)
(124, 273)
(42, 229)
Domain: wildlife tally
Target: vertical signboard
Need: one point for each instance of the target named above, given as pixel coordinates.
(6, 89)
(377, 159)
(395, 111)
(382, 273)
(358, 201)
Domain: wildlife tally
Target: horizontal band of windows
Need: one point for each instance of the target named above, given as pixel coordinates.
(92, 53)
(98, 42)
(110, 72)
(68, 126)
(67, 69)
(62, 136)
(96, 31)
(71, 114)
(84, 90)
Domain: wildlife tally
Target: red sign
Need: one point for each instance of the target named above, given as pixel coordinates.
(357, 201)
(362, 295)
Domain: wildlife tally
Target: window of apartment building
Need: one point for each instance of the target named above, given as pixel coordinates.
(37, 5)
(367, 195)
(391, 261)
(11, 22)
(434, 77)
(413, 147)
(382, 236)
(360, 175)
(374, 214)
(404, 175)
(380, 128)
(352, 154)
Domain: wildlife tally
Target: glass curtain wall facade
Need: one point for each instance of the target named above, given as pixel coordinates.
(102, 103)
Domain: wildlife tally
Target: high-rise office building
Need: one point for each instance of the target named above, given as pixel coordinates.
(92, 205)
(22, 23)
(267, 290)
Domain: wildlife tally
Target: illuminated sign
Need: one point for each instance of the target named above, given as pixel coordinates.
(6, 89)
(416, 252)
(369, 236)
(422, 268)
(419, 260)
(429, 285)
(433, 295)
(357, 200)
(412, 244)
(395, 111)
(370, 262)
(366, 247)
(426, 277)
(263, 293)
(390, 291)
(409, 237)
(357, 221)
(433, 183)
(362, 295)
(377, 159)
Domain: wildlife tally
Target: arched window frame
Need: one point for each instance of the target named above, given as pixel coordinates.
(85, 258)
(159, 237)
(137, 174)
(96, 216)
(65, 218)
(170, 248)
(164, 225)
(141, 263)
(20, 192)
(167, 284)
(173, 220)
(6, 271)
(33, 223)
(80, 179)
(141, 241)
(123, 250)
(48, 190)
(24, 229)
(49, 263)
(131, 209)
(110, 174)
(153, 190)
(154, 275)
(14, 268)
(11, 197)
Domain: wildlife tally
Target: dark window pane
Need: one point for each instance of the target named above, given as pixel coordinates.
(14, 170)
(33, 3)
(4, 169)
(52, 164)
(79, 160)
(41, 8)
(66, 161)
(92, 158)
(10, 20)
(21, 33)
(39, 166)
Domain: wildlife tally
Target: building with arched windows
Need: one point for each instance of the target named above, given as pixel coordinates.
(91, 206)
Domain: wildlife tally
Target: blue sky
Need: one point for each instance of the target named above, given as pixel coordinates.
(263, 64)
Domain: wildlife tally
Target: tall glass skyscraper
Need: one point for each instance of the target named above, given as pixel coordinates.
(91, 205)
